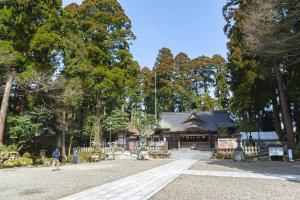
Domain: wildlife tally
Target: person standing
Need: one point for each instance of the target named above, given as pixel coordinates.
(75, 156)
(56, 156)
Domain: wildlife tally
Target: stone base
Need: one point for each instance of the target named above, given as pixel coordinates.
(143, 155)
(110, 156)
(239, 155)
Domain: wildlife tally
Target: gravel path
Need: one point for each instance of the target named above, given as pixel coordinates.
(275, 167)
(43, 183)
(188, 187)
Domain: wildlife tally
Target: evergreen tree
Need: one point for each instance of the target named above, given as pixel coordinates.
(164, 69)
(261, 51)
(31, 29)
(183, 83)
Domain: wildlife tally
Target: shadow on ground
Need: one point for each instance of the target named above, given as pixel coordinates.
(260, 167)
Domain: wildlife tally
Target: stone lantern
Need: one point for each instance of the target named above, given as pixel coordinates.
(143, 152)
(238, 154)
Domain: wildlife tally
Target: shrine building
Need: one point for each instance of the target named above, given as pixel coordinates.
(193, 129)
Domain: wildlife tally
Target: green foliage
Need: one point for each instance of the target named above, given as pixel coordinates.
(90, 125)
(117, 122)
(223, 132)
(185, 84)
(87, 156)
(225, 156)
(8, 56)
(164, 67)
(21, 129)
(40, 161)
(99, 33)
(5, 150)
(249, 75)
(8, 148)
(26, 155)
(149, 119)
(18, 162)
(148, 87)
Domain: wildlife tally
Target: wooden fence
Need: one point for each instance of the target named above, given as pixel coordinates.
(95, 149)
(163, 147)
(249, 150)
(153, 147)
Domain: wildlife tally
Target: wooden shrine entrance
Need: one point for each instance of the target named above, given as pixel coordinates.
(199, 141)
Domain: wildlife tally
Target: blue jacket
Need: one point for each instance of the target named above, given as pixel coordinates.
(56, 155)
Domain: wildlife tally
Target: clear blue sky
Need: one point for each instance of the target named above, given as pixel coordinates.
(191, 26)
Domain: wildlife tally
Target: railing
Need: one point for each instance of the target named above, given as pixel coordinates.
(153, 146)
(249, 150)
(87, 149)
(230, 151)
(97, 149)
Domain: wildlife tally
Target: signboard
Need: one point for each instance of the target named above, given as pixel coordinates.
(227, 143)
(276, 151)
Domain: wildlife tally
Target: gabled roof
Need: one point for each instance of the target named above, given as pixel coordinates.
(193, 117)
(209, 120)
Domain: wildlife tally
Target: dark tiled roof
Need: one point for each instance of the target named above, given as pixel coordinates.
(209, 120)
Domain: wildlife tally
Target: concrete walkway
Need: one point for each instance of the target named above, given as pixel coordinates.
(136, 187)
(243, 175)
(190, 154)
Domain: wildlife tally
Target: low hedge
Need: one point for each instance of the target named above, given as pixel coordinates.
(87, 156)
(18, 162)
(225, 156)
(159, 154)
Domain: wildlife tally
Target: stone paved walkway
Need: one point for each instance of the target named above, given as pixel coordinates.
(136, 187)
(242, 175)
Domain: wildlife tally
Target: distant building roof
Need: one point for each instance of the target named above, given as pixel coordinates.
(207, 121)
(266, 135)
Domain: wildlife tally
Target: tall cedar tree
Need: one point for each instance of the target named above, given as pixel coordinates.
(261, 37)
(30, 30)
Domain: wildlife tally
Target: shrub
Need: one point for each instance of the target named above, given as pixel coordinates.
(27, 155)
(17, 162)
(87, 156)
(67, 160)
(159, 155)
(41, 161)
(11, 163)
(21, 129)
(25, 161)
(5, 152)
(8, 148)
(4, 155)
(226, 156)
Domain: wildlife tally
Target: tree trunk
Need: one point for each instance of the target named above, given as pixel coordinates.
(5, 100)
(70, 146)
(123, 140)
(276, 114)
(285, 111)
(63, 137)
(98, 105)
(205, 86)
